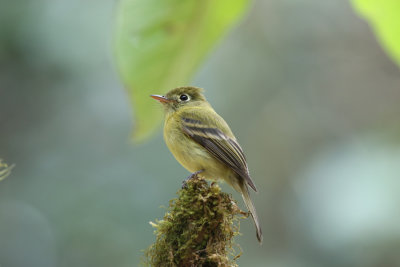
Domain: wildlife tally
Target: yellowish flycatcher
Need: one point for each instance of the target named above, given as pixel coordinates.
(203, 143)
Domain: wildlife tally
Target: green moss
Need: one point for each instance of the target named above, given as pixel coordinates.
(5, 170)
(197, 230)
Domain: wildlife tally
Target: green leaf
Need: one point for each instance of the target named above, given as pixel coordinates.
(159, 45)
(384, 16)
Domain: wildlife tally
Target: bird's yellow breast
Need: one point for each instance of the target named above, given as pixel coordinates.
(186, 151)
(191, 155)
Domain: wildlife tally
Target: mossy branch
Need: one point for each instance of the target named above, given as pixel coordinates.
(198, 229)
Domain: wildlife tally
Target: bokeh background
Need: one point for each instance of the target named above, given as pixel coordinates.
(307, 89)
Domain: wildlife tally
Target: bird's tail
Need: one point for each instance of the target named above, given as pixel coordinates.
(252, 209)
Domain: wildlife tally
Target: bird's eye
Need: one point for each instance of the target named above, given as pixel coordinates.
(184, 97)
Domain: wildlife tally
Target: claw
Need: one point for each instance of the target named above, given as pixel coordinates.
(193, 175)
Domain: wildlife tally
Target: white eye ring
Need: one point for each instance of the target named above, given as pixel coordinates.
(184, 97)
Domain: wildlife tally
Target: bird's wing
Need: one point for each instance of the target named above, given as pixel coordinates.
(219, 141)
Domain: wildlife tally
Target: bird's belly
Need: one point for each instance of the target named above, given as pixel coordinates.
(194, 157)
(189, 154)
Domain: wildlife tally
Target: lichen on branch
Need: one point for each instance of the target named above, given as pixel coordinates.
(197, 229)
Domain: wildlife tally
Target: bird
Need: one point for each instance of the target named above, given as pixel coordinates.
(202, 142)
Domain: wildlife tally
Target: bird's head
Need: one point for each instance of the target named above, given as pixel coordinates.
(180, 97)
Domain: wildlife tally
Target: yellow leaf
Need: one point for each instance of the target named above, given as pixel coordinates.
(384, 17)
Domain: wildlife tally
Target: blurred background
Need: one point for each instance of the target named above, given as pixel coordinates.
(305, 86)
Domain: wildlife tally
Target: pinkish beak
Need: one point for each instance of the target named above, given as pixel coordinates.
(161, 98)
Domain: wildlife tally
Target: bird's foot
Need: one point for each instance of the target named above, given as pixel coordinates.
(193, 175)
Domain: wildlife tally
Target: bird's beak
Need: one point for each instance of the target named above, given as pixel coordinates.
(161, 98)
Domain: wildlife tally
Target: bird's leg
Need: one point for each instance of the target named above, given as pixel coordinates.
(193, 175)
